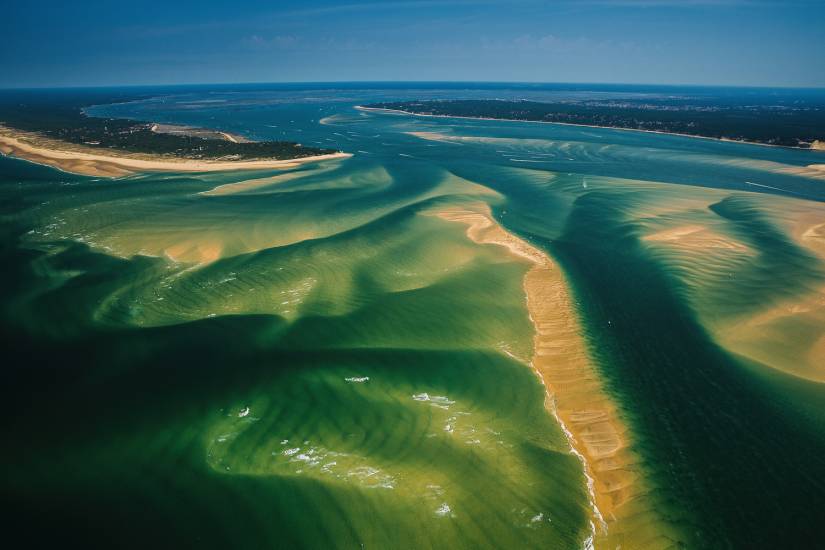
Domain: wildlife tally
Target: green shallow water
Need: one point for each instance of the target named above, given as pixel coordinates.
(343, 390)
(312, 359)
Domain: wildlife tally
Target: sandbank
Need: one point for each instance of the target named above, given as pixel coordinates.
(789, 335)
(622, 513)
(785, 332)
(696, 236)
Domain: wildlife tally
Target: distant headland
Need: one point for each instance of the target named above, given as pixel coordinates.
(62, 135)
(799, 126)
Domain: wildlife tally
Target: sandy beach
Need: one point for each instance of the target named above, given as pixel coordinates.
(78, 159)
(622, 514)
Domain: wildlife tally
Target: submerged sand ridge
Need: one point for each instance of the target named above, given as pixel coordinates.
(718, 259)
(789, 335)
(623, 513)
(87, 161)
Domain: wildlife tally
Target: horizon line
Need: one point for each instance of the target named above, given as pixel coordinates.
(321, 82)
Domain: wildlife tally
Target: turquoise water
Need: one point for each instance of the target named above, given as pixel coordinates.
(312, 359)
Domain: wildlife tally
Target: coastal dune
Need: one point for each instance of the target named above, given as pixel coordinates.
(622, 515)
(87, 161)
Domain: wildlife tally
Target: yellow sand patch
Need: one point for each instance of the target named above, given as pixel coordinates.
(789, 337)
(695, 236)
(623, 513)
(258, 183)
(194, 252)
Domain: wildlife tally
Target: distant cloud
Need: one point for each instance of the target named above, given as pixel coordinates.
(335, 44)
(277, 42)
(386, 6)
(552, 44)
(688, 3)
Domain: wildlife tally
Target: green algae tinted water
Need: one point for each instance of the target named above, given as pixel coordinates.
(311, 359)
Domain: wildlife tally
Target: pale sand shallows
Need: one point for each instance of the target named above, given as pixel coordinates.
(87, 161)
(623, 511)
(696, 237)
(783, 332)
(788, 335)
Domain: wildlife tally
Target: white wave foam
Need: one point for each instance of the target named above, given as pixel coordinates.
(443, 510)
(440, 401)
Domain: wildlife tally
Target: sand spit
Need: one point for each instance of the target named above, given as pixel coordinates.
(87, 161)
(254, 184)
(622, 513)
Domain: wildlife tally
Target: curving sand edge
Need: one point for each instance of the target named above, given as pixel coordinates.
(623, 514)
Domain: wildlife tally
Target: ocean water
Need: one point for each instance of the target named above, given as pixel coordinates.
(311, 358)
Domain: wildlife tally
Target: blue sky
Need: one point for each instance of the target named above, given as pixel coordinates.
(730, 42)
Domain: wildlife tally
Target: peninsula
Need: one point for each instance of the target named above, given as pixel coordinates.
(61, 134)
